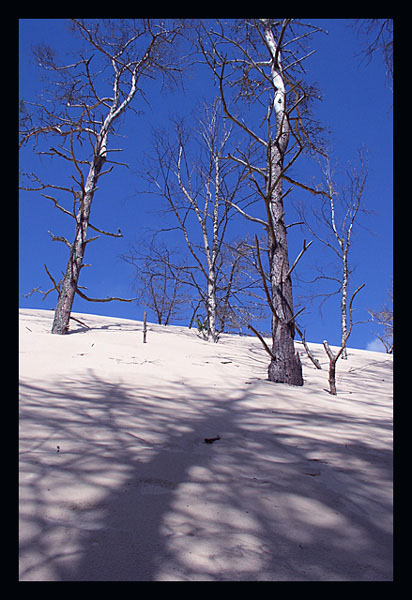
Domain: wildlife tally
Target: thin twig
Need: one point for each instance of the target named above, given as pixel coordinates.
(305, 247)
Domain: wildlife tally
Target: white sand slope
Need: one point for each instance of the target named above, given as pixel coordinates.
(297, 488)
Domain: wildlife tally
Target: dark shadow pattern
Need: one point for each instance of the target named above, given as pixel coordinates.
(274, 499)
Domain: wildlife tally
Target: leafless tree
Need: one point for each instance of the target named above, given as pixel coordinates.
(378, 34)
(333, 358)
(159, 280)
(194, 182)
(76, 119)
(384, 318)
(332, 225)
(254, 264)
(241, 300)
(260, 62)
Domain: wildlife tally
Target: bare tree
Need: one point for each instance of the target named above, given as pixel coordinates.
(253, 253)
(196, 190)
(333, 358)
(79, 114)
(159, 280)
(378, 34)
(332, 226)
(241, 300)
(259, 61)
(384, 318)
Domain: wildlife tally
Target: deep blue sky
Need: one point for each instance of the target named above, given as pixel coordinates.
(356, 108)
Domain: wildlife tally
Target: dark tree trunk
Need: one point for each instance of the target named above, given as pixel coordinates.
(332, 377)
(75, 262)
(287, 367)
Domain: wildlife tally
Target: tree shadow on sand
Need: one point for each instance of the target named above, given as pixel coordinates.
(135, 494)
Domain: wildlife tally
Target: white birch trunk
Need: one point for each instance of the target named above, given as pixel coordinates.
(344, 305)
(211, 250)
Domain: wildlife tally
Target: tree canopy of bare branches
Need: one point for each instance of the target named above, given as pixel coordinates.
(384, 319)
(192, 173)
(378, 35)
(260, 61)
(159, 279)
(332, 223)
(76, 118)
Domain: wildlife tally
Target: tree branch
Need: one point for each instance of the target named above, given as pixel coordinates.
(109, 299)
(305, 187)
(116, 235)
(56, 286)
(305, 345)
(266, 347)
(232, 117)
(57, 238)
(57, 205)
(305, 247)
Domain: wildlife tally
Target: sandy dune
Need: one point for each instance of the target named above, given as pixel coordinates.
(297, 488)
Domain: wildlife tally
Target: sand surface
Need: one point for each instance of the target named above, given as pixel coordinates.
(297, 488)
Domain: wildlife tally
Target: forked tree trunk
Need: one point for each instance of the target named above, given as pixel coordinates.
(333, 358)
(332, 366)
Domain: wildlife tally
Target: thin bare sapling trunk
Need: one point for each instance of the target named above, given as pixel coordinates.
(144, 326)
(336, 217)
(210, 249)
(212, 180)
(333, 358)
